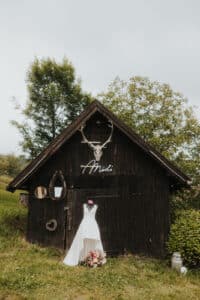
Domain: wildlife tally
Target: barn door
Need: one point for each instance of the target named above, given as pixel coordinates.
(108, 216)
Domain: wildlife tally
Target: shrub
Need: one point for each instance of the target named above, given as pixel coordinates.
(11, 165)
(186, 199)
(185, 237)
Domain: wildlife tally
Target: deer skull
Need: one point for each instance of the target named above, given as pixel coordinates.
(98, 152)
(97, 149)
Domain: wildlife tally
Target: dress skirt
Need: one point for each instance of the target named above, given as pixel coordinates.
(87, 239)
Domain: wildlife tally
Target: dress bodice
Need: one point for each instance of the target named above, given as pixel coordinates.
(89, 212)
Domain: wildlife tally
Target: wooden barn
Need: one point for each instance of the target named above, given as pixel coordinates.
(98, 157)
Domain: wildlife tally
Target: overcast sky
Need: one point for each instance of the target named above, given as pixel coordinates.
(103, 39)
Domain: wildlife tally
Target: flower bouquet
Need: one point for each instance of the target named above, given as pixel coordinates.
(95, 259)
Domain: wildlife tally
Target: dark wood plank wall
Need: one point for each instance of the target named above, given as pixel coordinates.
(133, 211)
(40, 212)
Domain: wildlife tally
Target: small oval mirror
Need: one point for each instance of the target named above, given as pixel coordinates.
(40, 192)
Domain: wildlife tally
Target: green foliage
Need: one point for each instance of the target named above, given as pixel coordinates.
(159, 115)
(185, 199)
(55, 99)
(5, 179)
(185, 237)
(11, 165)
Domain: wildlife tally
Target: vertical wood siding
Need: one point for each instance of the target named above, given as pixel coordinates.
(133, 200)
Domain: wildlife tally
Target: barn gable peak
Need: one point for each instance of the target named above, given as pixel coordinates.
(19, 181)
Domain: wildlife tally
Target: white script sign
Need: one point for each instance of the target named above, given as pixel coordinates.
(94, 167)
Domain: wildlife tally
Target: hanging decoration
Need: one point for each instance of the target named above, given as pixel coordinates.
(96, 146)
(93, 167)
(40, 192)
(51, 225)
(57, 186)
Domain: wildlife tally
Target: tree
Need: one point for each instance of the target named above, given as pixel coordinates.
(55, 98)
(11, 165)
(160, 116)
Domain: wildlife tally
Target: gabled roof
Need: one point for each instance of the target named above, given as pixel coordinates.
(18, 182)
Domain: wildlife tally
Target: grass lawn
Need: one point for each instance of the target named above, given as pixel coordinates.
(32, 272)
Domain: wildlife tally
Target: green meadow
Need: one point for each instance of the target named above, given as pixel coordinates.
(32, 272)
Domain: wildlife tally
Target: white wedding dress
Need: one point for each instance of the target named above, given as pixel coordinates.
(87, 238)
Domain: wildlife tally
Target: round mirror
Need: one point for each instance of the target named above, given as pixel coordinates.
(40, 192)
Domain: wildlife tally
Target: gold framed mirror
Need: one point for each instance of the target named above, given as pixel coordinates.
(40, 192)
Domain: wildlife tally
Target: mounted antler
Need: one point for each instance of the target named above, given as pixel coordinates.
(97, 149)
